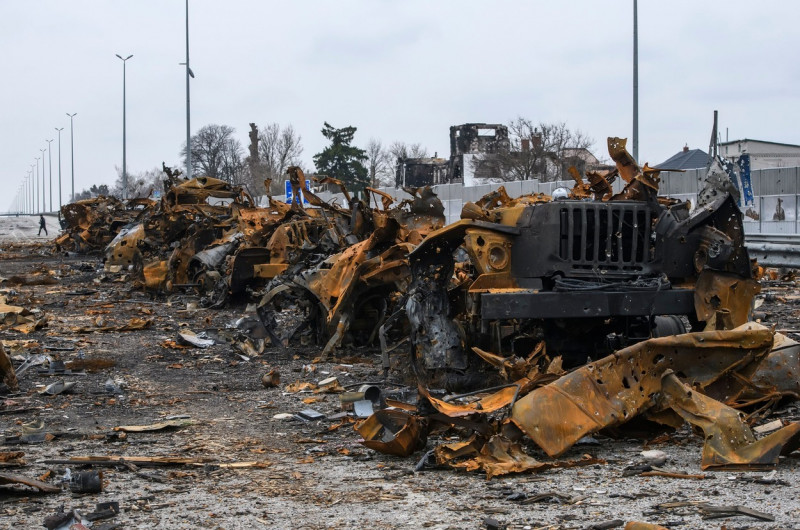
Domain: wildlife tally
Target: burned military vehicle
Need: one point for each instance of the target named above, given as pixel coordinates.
(329, 297)
(90, 224)
(586, 274)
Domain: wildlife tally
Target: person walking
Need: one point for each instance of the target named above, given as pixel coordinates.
(42, 226)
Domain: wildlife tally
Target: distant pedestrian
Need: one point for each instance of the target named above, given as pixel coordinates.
(42, 226)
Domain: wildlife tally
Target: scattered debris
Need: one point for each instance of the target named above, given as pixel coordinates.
(90, 481)
(533, 323)
(170, 424)
(7, 374)
(13, 481)
(392, 432)
(151, 461)
(654, 457)
(12, 459)
(190, 338)
(271, 379)
(59, 387)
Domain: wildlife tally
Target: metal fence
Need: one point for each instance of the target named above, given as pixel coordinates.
(775, 210)
(775, 203)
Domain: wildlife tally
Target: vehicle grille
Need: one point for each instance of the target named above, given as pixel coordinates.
(610, 237)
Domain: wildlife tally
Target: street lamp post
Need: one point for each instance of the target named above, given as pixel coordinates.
(635, 82)
(124, 161)
(59, 166)
(72, 153)
(189, 74)
(32, 188)
(36, 187)
(50, 164)
(42, 189)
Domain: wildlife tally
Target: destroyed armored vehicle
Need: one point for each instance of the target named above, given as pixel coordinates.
(90, 224)
(587, 274)
(329, 297)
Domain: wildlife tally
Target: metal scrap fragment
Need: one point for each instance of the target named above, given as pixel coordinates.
(621, 386)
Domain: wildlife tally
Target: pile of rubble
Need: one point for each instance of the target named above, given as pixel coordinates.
(527, 326)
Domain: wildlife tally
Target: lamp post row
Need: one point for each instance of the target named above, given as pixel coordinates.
(29, 189)
(32, 189)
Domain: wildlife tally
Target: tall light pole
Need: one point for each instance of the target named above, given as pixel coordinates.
(50, 163)
(44, 200)
(124, 161)
(59, 166)
(72, 153)
(189, 74)
(33, 188)
(36, 188)
(635, 83)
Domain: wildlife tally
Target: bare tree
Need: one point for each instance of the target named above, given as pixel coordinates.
(141, 184)
(401, 150)
(539, 151)
(233, 167)
(380, 165)
(216, 153)
(278, 148)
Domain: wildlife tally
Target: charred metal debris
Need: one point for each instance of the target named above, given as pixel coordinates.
(575, 314)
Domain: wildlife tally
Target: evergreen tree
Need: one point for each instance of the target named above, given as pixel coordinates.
(341, 160)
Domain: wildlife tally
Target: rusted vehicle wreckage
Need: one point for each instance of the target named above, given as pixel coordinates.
(91, 224)
(645, 301)
(521, 289)
(587, 274)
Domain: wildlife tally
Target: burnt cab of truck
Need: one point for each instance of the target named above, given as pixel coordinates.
(584, 276)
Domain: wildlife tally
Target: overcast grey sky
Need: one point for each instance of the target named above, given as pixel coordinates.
(397, 70)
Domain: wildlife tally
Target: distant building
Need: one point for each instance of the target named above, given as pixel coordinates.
(480, 153)
(763, 154)
(685, 159)
(417, 172)
(473, 150)
(473, 154)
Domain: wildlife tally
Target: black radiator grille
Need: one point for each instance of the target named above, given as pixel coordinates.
(606, 236)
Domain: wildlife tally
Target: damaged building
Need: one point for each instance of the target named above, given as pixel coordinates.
(481, 153)
(473, 154)
(473, 151)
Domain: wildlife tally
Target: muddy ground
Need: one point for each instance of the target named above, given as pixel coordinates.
(302, 474)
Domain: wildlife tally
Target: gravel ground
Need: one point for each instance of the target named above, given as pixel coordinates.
(306, 474)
